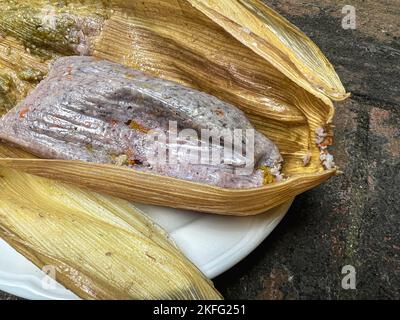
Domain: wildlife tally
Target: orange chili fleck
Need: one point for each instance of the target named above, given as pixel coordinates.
(23, 112)
(130, 153)
(132, 162)
(137, 126)
(113, 122)
(327, 141)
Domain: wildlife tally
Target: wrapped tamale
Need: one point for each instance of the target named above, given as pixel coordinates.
(102, 112)
(239, 51)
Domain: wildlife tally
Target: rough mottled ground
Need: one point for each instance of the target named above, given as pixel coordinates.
(353, 219)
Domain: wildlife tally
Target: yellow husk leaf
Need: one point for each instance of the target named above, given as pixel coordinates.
(279, 42)
(100, 247)
(240, 51)
(142, 187)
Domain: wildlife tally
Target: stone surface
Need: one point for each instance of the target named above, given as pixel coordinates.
(6, 296)
(354, 218)
(351, 220)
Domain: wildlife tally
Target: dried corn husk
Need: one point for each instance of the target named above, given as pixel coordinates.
(238, 50)
(148, 188)
(100, 247)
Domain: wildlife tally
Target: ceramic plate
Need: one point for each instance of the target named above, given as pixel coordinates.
(213, 243)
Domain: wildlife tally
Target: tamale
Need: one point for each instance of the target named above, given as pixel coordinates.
(240, 51)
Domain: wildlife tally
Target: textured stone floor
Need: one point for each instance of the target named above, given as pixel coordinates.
(353, 219)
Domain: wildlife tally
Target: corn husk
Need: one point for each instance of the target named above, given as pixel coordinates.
(100, 247)
(238, 50)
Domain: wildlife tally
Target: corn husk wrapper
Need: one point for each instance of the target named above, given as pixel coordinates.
(100, 247)
(238, 50)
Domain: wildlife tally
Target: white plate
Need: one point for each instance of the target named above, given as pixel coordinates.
(213, 243)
